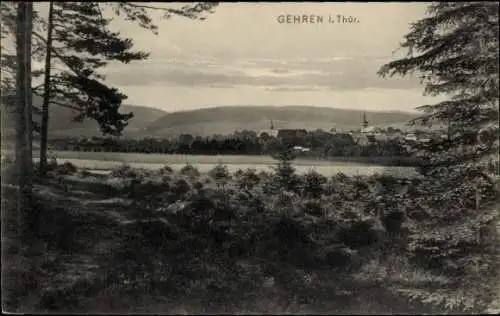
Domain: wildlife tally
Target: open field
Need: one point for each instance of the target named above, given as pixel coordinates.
(107, 161)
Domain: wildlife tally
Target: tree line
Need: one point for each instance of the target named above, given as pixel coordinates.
(318, 144)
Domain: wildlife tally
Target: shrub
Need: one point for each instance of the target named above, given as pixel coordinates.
(313, 184)
(166, 170)
(190, 171)
(220, 174)
(124, 171)
(84, 173)
(180, 188)
(247, 179)
(285, 175)
(51, 164)
(287, 227)
(66, 168)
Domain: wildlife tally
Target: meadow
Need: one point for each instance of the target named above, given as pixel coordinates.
(105, 161)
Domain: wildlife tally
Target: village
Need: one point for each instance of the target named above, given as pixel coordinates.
(367, 134)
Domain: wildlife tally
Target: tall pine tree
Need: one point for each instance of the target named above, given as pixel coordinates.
(77, 43)
(454, 51)
(79, 40)
(23, 159)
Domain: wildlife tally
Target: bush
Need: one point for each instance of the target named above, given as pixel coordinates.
(220, 174)
(203, 241)
(285, 176)
(124, 171)
(247, 179)
(166, 170)
(313, 184)
(66, 168)
(190, 171)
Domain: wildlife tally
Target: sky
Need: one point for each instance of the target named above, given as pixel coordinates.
(246, 54)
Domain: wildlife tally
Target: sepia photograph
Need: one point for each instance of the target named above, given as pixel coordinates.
(328, 158)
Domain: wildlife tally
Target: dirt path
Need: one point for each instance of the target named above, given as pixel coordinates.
(68, 274)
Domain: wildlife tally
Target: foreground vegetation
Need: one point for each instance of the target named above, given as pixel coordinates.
(139, 240)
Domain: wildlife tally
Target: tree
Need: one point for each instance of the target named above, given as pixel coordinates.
(78, 39)
(23, 120)
(285, 175)
(454, 51)
(220, 173)
(8, 59)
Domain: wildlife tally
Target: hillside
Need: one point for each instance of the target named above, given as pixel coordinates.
(217, 120)
(61, 124)
(224, 120)
(60, 121)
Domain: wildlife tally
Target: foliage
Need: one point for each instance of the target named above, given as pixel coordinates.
(184, 237)
(123, 171)
(454, 51)
(285, 176)
(78, 85)
(335, 146)
(190, 171)
(220, 174)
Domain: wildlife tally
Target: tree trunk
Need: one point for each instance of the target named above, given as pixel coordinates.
(23, 119)
(28, 91)
(46, 94)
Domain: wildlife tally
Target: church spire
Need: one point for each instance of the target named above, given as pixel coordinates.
(365, 122)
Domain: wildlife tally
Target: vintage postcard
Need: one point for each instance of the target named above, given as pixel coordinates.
(250, 157)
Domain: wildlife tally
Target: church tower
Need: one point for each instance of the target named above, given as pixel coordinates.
(365, 122)
(272, 125)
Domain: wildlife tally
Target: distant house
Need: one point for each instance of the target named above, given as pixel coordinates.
(301, 149)
(286, 134)
(268, 132)
(382, 137)
(362, 140)
(366, 139)
(411, 137)
(344, 138)
(371, 130)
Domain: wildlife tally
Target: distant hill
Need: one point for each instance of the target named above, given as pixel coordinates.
(61, 124)
(218, 120)
(227, 119)
(60, 121)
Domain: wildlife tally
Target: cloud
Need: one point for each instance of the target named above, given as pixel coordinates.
(280, 71)
(336, 73)
(294, 88)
